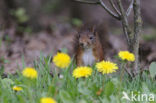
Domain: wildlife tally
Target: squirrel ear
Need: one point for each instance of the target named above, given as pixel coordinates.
(95, 33)
(92, 29)
(78, 35)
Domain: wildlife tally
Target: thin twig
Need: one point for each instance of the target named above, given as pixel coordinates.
(125, 23)
(114, 7)
(88, 2)
(109, 11)
(130, 8)
(100, 2)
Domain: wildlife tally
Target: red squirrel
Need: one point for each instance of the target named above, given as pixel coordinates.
(88, 47)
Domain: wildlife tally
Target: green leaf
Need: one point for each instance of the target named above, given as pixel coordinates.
(1, 70)
(114, 99)
(20, 14)
(115, 81)
(65, 97)
(51, 89)
(145, 88)
(6, 82)
(77, 22)
(64, 50)
(83, 89)
(82, 101)
(109, 89)
(152, 69)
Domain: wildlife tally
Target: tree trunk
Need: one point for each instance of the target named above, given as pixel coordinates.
(137, 32)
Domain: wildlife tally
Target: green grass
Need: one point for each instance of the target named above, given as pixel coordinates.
(97, 88)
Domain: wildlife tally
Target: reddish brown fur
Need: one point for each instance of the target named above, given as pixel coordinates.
(96, 46)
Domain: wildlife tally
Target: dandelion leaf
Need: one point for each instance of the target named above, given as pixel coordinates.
(152, 69)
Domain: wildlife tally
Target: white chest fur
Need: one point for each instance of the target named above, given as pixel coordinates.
(88, 57)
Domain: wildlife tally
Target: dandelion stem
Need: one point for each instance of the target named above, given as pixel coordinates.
(122, 71)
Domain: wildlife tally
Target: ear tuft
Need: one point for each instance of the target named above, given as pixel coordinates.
(92, 29)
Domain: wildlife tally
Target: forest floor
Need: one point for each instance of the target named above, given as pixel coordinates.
(28, 47)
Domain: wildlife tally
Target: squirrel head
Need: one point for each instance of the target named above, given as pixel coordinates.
(87, 38)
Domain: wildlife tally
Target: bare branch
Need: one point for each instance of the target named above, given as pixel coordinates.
(100, 2)
(114, 7)
(130, 8)
(88, 2)
(137, 32)
(109, 11)
(125, 23)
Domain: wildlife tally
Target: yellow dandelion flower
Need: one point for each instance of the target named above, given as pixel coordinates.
(106, 67)
(61, 60)
(47, 100)
(126, 55)
(82, 72)
(16, 88)
(30, 73)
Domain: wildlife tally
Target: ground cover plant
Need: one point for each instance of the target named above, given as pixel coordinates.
(104, 82)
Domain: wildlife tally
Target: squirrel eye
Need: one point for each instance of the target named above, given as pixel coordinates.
(78, 36)
(91, 37)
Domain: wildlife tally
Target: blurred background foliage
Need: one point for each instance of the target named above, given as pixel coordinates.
(30, 26)
(34, 13)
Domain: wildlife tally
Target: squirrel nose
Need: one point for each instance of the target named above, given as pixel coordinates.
(81, 44)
